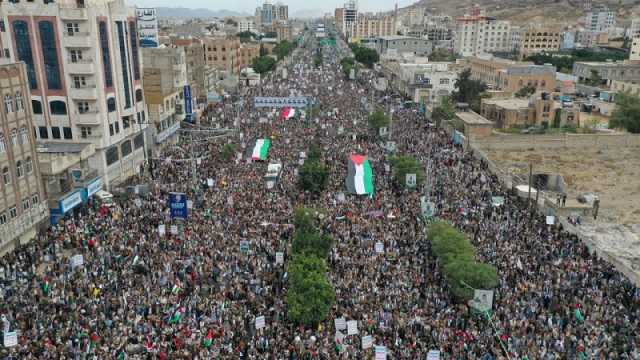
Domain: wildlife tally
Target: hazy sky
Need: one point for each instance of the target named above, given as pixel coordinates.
(249, 6)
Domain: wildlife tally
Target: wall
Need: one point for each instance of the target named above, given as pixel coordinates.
(523, 142)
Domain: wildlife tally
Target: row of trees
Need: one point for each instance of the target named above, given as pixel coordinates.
(456, 257)
(364, 55)
(265, 63)
(310, 295)
(348, 63)
(314, 174)
(564, 62)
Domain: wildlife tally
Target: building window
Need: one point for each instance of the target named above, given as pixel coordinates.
(37, 106)
(444, 81)
(24, 137)
(13, 213)
(50, 54)
(19, 102)
(83, 107)
(44, 134)
(28, 166)
(126, 148)
(116, 125)
(111, 129)
(133, 37)
(139, 95)
(66, 132)
(75, 56)
(55, 132)
(3, 218)
(125, 122)
(112, 155)
(58, 107)
(79, 82)
(23, 49)
(123, 62)
(85, 132)
(14, 137)
(138, 141)
(6, 175)
(25, 204)
(111, 104)
(72, 29)
(8, 104)
(19, 170)
(35, 199)
(3, 144)
(106, 56)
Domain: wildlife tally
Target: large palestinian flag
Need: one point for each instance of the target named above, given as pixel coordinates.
(261, 149)
(287, 113)
(360, 176)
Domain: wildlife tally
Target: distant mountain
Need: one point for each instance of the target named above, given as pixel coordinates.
(197, 13)
(308, 14)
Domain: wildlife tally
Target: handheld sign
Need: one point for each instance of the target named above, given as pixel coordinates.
(260, 322)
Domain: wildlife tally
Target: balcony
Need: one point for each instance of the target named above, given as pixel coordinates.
(73, 13)
(87, 92)
(80, 66)
(77, 40)
(91, 117)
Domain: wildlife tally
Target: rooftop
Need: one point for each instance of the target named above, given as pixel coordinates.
(472, 118)
(509, 104)
(398, 37)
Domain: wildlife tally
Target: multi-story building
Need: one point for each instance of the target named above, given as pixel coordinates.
(600, 19)
(425, 83)
(282, 30)
(166, 91)
(346, 18)
(607, 71)
(222, 53)
(634, 52)
(266, 13)
(281, 12)
(23, 202)
(626, 86)
(248, 52)
(247, 25)
(515, 39)
(403, 44)
(567, 40)
(510, 76)
(540, 109)
(479, 34)
(634, 28)
(85, 77)
(338, 15)
(537, 39)
(369, 26)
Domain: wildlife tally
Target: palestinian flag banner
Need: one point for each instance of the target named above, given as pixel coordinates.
(261, 150)
(287, 113)
(360, 176)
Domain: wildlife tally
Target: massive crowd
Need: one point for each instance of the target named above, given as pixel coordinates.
(143, 294)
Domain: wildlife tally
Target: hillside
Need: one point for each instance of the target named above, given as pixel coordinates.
(547, 11)
(196, 13)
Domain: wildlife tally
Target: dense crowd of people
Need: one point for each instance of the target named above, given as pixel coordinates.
(149, 290)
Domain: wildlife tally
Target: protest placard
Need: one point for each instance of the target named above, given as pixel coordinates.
(381, 352)
(210, 182)
(367, 342)
(551, 220)
(161, 229)
(189, 204)
(340, 323)
(352, 327)
(10, 339)
(379, 247)
(279, 258)
(77, 260)
(433, 355)
(260, 322)
(174, 229)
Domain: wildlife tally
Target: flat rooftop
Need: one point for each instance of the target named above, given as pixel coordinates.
(472, 118)
(509, 104)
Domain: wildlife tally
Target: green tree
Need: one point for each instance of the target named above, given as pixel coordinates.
(347, 63)
(461, 274)
(378, 120)
(246, 36)
(283, 48)
(469, 91)
(227, 152)
(442, 55)
(443, 112)
(364, 55)
(305, 219)
(313, 176)
(300, 265)
(263, 64)
(525, 91)
(594, 79)
(310, 299)
(403, 165)
(627, 113)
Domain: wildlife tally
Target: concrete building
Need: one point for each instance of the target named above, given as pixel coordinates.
(600, 19)
(608, 71)
(510, 76)
(248, 52)
(85, 76)
(23, 203)
(634, 52)
(539, 110)
(626, 86)
(567, 40)
(479, 34)
(537, 39)
(165, 82)
(403, 44)
(147, 21)
(515, 39)
(634, 28)
(475, 126)
(369, 26)
(425, 83)
(281, 12)
(247, 25)
(346, 18)
(283, 30)
(222, 53)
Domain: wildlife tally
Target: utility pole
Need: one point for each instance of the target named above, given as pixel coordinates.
(530, 177)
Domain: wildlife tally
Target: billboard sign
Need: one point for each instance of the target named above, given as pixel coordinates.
(178, 205)
(147, 27)
(280, 102)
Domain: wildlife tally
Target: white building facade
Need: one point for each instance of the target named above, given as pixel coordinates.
(600, 19)
(480, 34)
(85, 77)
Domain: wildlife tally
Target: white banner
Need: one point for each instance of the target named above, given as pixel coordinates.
(411, 180)
(379, 247)
(551, 220)
(340, 323)
(381, 352)
(174, 229)
(352, 327)
(189, 204)
(210, 182)
(367, 342)
(433, 355)
(161, 229)
(77, 260)
(10, 339)
(482, 300)
(260, 322)
(279, 258)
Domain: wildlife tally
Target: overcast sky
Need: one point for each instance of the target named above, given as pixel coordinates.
(249, 6)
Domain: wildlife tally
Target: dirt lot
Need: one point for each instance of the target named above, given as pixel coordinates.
(613, 174)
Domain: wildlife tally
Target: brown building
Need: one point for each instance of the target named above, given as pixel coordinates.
(475, 126)
(539, 110)
(510, 76)
(222, 53)
(339, 16)
(368, 26)
(248, 52)
(22, 205)
(283, 30)
(537, 39)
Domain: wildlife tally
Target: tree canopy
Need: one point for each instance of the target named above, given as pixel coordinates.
(364, 55)
(378, 120)
(444, 111)
(283, 48)
(263, 64)
(468, 91)
(525, 91)
(627, 113)
(246, 36)
(313, 175)
(348, 63)
(403, 165)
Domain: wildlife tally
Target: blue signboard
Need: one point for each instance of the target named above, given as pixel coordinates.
(178, 205)
(70, 201)
(187, 100)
